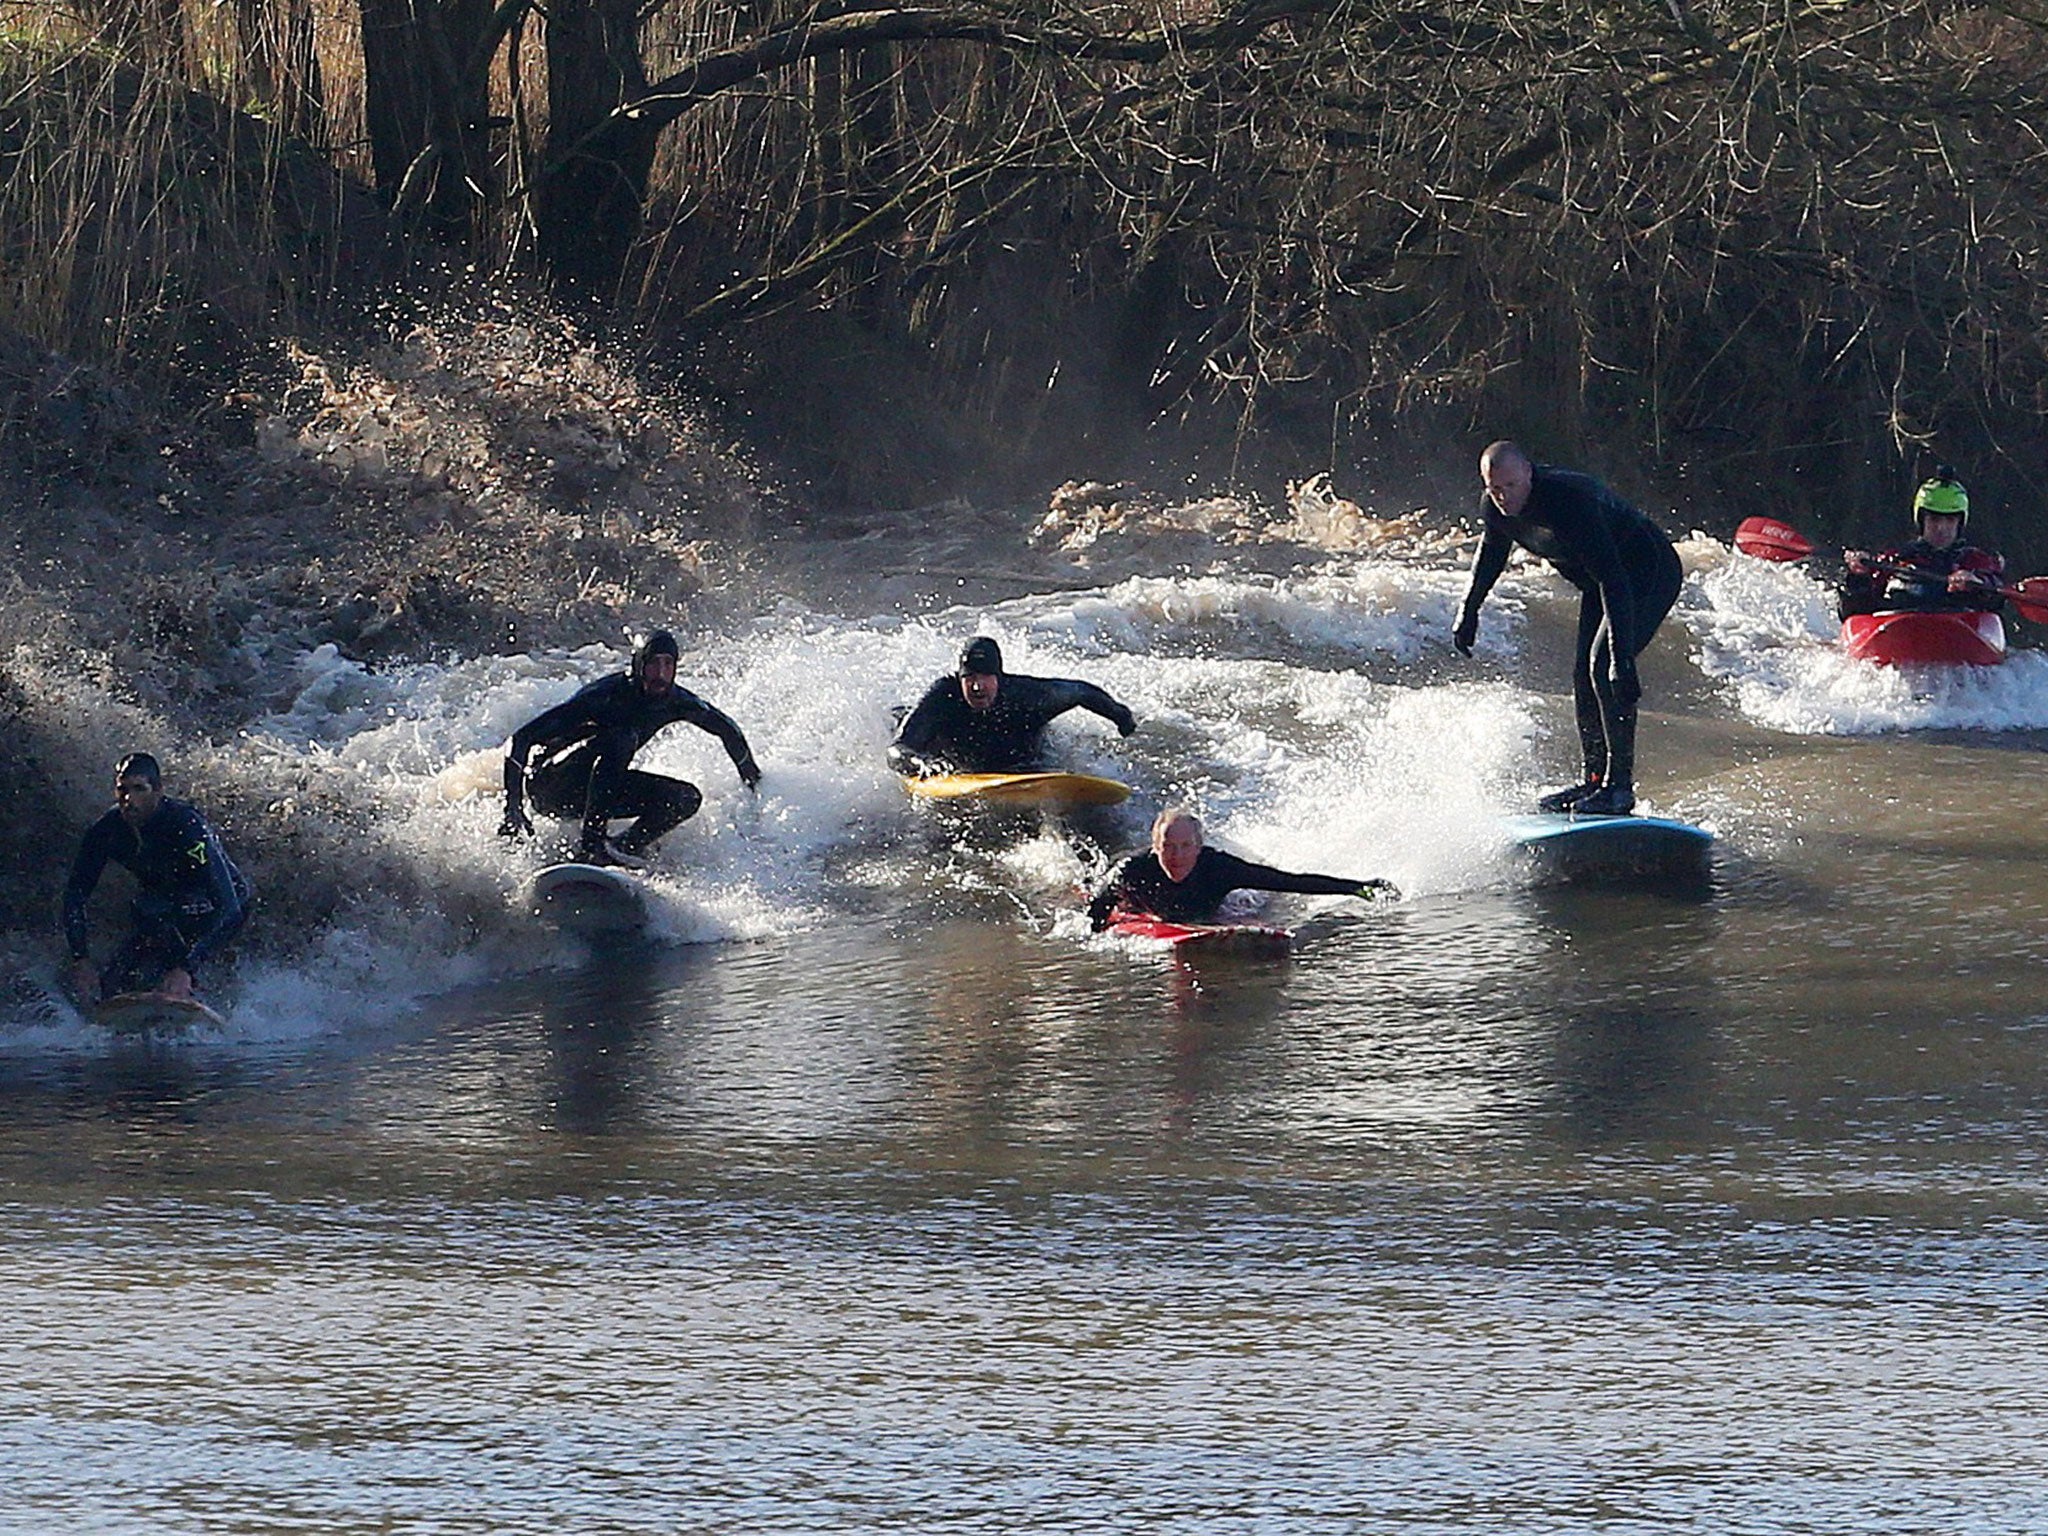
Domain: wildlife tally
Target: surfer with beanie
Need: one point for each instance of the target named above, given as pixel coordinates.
(985, 720)
(1182, 881)
(1628, 577)
(575, 760)
(1935, 573)
(191, 898)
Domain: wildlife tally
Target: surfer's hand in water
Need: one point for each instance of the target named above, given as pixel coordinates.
(516, 823)
(1466, 632)
(750, 772)
(1372, 888)
(1126, 722)
(177, 983)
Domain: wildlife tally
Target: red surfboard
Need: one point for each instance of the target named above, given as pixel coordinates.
(1205, 938)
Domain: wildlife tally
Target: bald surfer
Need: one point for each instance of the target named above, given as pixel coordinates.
(575, 760)
(190, 898)
(1183, 881)
(1628, 577)
(982, 719)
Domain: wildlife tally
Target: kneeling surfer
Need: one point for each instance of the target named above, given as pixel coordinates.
(191, 899)
(1181, 881)
(985, 720)
(586, 746)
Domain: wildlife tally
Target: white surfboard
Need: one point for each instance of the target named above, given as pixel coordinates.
(590, 899)
(151, 1013)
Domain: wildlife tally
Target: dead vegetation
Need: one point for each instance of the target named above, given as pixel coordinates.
(1777, 256)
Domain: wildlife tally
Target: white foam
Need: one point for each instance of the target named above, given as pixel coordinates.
(1769, 632)
(1244, 687)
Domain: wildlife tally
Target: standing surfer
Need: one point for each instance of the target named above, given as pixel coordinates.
(985, 720)
(191, 899)
(586, 746)
(1628, 577)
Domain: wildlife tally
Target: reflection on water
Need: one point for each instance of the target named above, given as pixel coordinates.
(1492, 1211)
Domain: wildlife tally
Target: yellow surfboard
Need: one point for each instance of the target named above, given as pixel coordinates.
(1047, 790)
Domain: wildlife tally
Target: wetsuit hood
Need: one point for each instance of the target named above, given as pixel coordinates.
(660, 643)
(982, 657)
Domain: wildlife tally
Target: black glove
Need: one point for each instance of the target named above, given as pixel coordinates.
(750, 771)
(1466, 632)
(1125, 721)
(516, 823)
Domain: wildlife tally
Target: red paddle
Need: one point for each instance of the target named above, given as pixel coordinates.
(1768, 539)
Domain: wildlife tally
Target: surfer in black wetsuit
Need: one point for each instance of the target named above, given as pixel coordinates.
(1182, 881)
(1938, 572)
(1628, 577)
(191, 899)
(985, 720)
(586, 746)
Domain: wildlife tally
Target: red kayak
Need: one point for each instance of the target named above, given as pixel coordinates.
(1203, 938)
(1974, 639)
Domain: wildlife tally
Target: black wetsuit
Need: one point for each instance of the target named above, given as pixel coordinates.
(945, 734)
(1628, 577)
(586, 746)
(1140, 885)
(1893, 591)
(192, 898)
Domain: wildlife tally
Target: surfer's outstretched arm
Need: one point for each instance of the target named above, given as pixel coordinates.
(717, 722)
(1063, 694)
(1245, 875)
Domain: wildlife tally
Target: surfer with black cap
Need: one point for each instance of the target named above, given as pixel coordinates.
(191, 898)
(574, 760)
(985, 720)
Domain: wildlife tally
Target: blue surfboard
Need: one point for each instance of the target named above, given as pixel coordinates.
(1611, 847)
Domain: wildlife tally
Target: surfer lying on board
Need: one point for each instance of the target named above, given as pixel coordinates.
(586, 746)
(1182, 881)
(985, 720)
(1628, 576)
(191, 899)
(1934, 573)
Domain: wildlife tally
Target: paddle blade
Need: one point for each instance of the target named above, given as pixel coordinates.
(1768, 539)
(2031, 598)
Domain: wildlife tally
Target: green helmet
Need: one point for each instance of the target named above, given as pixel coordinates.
(1943, 496)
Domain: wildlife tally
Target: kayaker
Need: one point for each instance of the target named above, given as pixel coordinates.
(985, 720)
(586, 746)
(1938, 572)
(1183, 881)
(190, 898)
(1628, 577)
